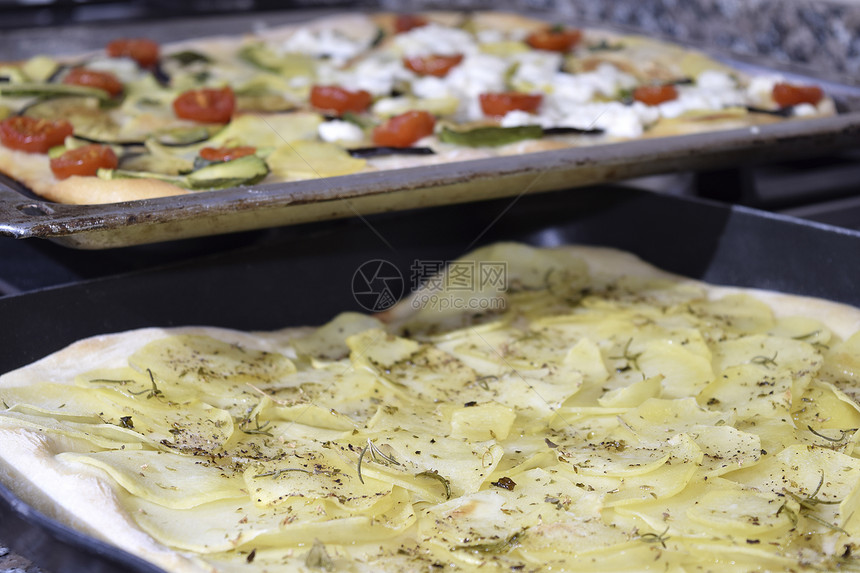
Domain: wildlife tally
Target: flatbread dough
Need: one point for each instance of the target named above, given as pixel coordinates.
(582, 420)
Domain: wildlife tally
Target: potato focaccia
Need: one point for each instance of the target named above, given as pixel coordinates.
(590, 414)
(357, 93)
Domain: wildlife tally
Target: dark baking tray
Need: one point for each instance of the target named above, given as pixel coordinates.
(263, 206)
(305, 276)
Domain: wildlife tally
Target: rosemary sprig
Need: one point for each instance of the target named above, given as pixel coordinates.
(153, 392)
(807, 507)
(109, 381)
(435, 475)
(660, 538)
(500, 546)
(844, 434)
(631, 359)
(360, 459)
(257, 429)
(765, 361)
(484, 381)
(375, 455)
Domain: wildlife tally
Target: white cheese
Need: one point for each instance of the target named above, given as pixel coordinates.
(477, 74)
(571, 89)
(126, 70)
(615, 118)
(760, 90)
(569, 103)
(692, 98)
(339, 130)
(435, 39)
(378, 75)
(389, 106)
(431, 87)
(490, 36)
(517, 118)
(804, 110)
(716, 80)
(329, 42)
(536, 69)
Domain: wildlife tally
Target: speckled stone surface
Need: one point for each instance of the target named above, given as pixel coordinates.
(12, 563)
(815, 37)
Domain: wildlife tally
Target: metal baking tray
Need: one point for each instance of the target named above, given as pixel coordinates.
(305, 278)
(214, 212)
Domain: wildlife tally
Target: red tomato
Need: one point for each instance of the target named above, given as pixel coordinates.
(405, 129)
(787, 95)
(406, 22)
(340, 100)
(554, 40)
(435, 65)
(498, 104)
(94, 79)
(207, 105)
(655, 95)
(33, 135)
(226, 153)
(141, 50)
(84, 160)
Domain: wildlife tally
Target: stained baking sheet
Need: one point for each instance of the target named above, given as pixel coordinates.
(305, 278)
(23, 215)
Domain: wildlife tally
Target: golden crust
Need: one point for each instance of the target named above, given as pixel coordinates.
(31, 169)
(92, 190)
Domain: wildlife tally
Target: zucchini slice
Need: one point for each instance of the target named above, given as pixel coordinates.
(243, 171)
(490, 136)
(28, 89)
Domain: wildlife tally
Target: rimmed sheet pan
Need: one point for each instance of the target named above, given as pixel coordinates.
(215, 212)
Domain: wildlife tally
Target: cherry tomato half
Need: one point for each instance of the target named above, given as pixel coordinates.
(207, 105)
(435, 65)
(142, 50)
(405, 129)
(94, 79)
(498, 104)
(655, 95)
(33, 135)
(340, 100)
(406, 22)
(86, 160)
(226, 153)
(787, 95)
(554, 39)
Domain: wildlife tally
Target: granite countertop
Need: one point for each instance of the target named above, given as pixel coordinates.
(13, 563)
(817, 37)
